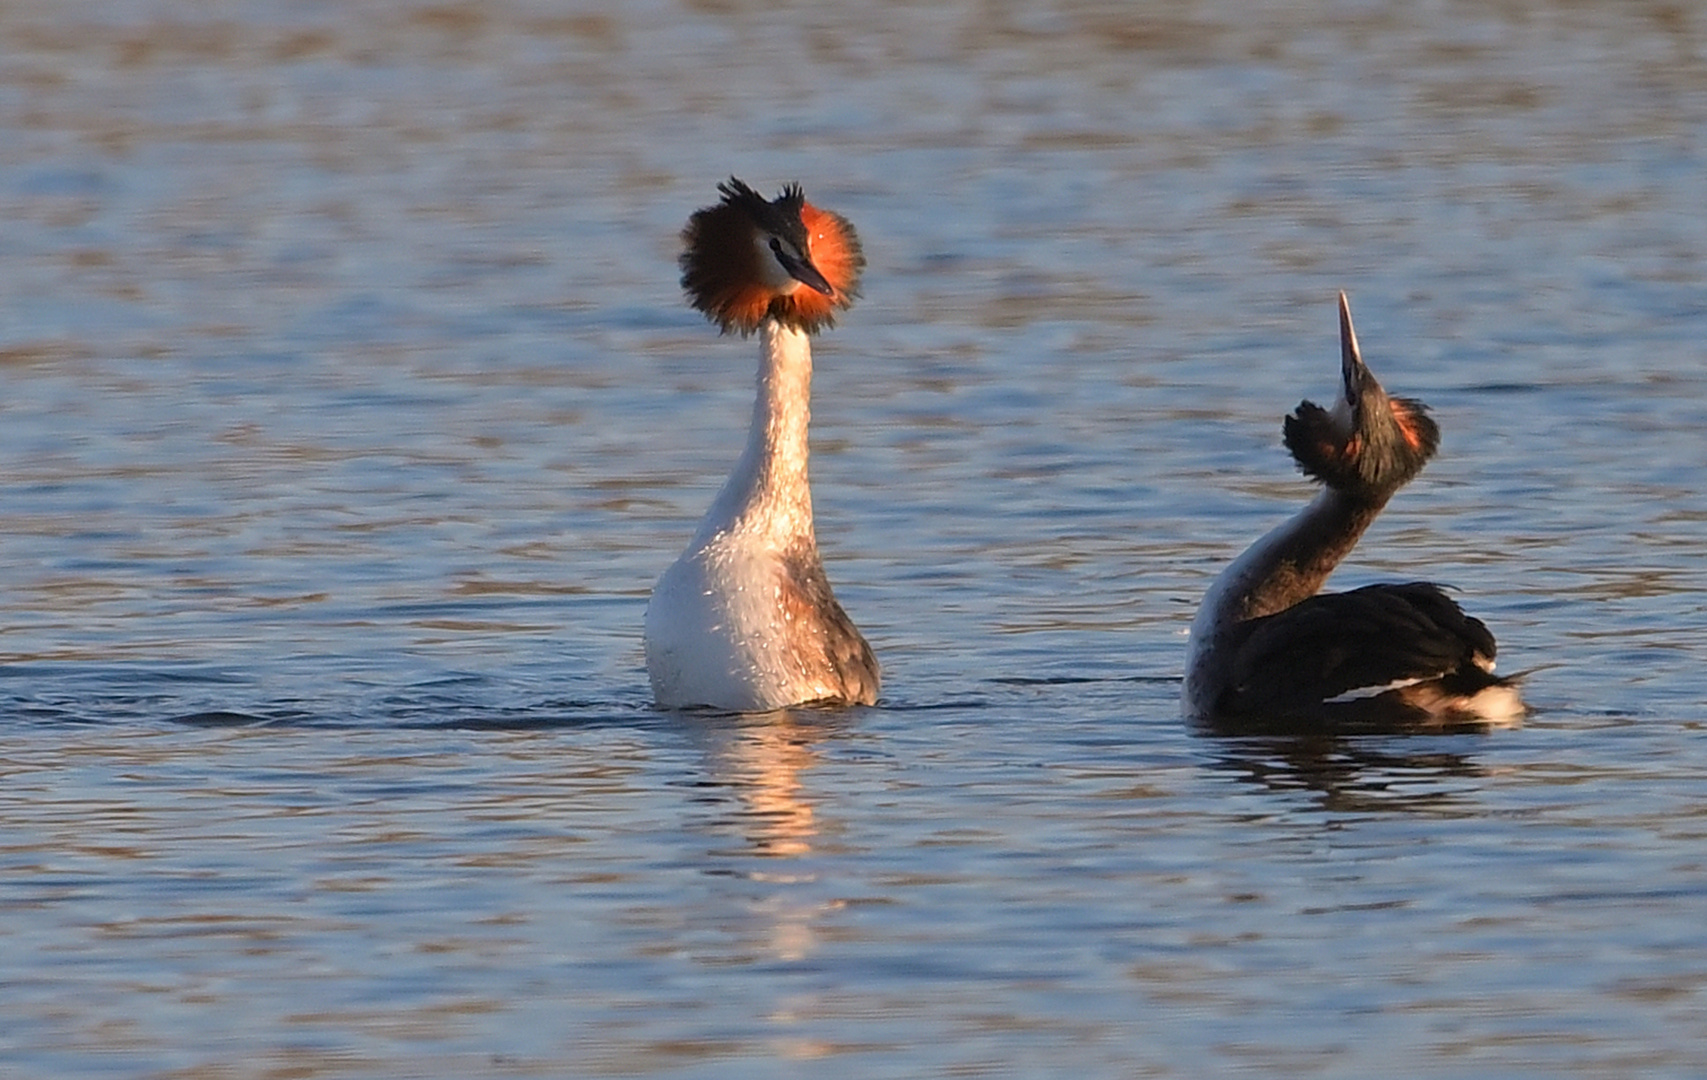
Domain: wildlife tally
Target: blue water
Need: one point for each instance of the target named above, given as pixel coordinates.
(348, 410)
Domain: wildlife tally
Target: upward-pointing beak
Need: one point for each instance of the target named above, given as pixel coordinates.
(1352, 371)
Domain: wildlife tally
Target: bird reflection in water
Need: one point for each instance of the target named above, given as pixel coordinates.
(1353, 775)
(762, 760)
(756, 770)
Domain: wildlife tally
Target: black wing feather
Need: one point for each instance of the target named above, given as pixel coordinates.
(1297, 659)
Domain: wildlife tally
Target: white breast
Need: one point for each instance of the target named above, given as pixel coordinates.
(717, 634)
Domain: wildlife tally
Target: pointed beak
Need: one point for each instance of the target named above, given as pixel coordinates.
(1353, 373)
(803, 271)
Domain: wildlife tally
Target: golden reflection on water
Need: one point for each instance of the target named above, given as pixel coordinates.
(770, 761)
(763, 762)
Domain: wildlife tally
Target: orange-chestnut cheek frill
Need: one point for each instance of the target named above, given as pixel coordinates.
(1408, 426)
(723, 280)
(834, 251)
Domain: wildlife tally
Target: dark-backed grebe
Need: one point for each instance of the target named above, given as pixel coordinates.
(1268, 653)
(745, 620)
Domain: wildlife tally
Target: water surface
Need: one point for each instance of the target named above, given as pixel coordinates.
(350, 409)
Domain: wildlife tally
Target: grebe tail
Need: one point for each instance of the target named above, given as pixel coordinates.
(745, 620)
(1268, 653)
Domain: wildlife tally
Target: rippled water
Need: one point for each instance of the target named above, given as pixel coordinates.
(348, 410)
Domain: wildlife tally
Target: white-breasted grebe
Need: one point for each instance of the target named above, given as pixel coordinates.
(1268, 653)
(745, 620)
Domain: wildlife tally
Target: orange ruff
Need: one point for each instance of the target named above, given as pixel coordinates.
(1407, 423)
(831, 247)
(719, 271)
(721, 275)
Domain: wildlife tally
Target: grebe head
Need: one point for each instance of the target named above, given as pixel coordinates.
(747, 259)
(1369, 445)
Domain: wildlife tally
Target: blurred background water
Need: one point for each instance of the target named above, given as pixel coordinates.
(349, 408)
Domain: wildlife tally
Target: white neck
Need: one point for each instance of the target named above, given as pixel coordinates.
(767, 493)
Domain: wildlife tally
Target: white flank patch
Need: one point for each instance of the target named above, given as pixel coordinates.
(1498, 706)
(1372, 691)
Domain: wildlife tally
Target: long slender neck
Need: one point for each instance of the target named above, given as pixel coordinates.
(1292, 561)
(768, 490)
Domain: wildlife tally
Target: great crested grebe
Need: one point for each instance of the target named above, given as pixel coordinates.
(1268, 653)
(745, 620)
